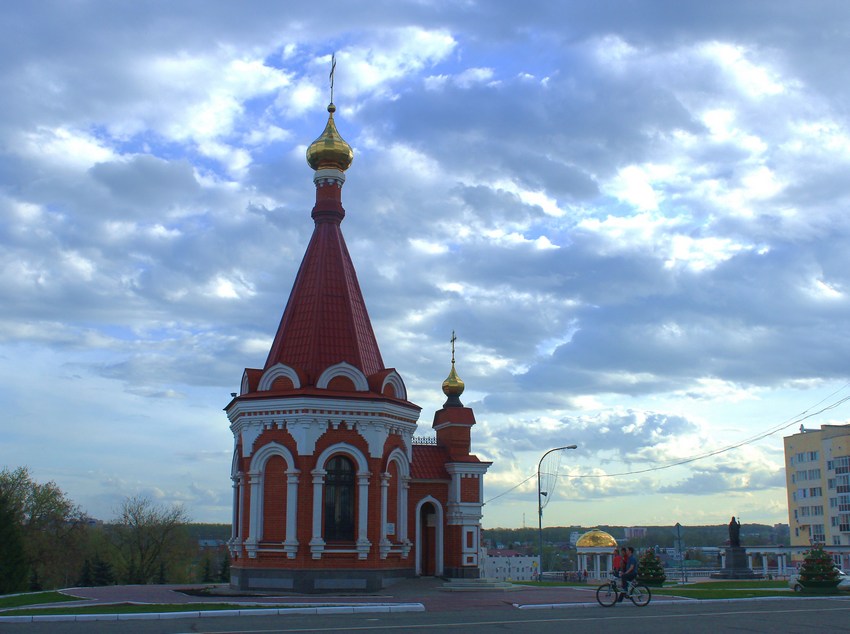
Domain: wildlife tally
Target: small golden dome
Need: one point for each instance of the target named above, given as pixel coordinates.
(330, 151)
(596, 539)
(453, 386)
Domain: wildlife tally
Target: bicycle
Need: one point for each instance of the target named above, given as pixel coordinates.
(608, 593)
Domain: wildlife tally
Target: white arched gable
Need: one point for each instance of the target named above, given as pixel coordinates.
(353, 452)
(245, 387)
(261, 457)
(347, 370)
(400, 458)
(394, 379)
(275, 372)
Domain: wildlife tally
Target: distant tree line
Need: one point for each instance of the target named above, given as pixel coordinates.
(48, 542)
(662, 536)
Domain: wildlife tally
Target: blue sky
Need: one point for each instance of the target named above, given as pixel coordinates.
(633, 214)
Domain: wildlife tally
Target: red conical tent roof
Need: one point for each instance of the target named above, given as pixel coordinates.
(325, 321)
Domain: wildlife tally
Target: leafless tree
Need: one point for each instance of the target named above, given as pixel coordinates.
(149, 538)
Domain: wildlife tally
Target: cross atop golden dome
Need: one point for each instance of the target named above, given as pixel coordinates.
(453, 386)
(330, 151)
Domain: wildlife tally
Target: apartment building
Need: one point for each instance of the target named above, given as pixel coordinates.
(817, 473)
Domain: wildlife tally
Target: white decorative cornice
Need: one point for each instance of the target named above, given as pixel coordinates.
(329, 176)
(465, 469)
(308, 419)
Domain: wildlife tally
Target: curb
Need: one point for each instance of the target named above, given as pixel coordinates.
(203, 614)
(680, 601)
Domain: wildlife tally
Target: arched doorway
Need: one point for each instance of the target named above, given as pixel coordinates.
(429, 538)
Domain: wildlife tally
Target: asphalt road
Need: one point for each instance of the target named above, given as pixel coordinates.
(774, 616)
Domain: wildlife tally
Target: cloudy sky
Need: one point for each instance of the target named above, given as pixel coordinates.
(634, 214)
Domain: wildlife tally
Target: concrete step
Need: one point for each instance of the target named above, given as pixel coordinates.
(475, 585)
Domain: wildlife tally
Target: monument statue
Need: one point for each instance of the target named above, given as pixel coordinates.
(736, 563)
(734, 533)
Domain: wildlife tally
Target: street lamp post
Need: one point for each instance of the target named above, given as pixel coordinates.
(681, 554)
(540, 495)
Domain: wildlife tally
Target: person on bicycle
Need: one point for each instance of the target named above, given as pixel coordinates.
(629, 572)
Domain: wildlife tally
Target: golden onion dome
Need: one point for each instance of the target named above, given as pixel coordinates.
(596, 539)
(330, 151)
(453, 386)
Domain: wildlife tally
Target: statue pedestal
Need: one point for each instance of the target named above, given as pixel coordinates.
(737, 566)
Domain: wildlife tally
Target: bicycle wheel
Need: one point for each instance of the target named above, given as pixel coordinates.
(640, 596)
(606, 595)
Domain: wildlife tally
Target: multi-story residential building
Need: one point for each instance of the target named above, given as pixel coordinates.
(817, 473)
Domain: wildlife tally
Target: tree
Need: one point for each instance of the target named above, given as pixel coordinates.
(148, 538)
(818, 569)
(51, 528)
(224, 573)
(102, 574)
(14, 570)
(650, 571)
(207, 571)
(86, 579)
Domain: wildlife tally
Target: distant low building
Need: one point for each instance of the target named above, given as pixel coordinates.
(509, 565)
(635, 532)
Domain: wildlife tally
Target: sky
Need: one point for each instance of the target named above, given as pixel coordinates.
(634, 215)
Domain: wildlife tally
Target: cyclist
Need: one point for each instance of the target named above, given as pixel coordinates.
(629, 572)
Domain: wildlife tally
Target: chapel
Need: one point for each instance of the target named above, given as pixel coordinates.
(332, 491)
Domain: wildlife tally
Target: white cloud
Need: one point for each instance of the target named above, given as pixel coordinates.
(639, 236)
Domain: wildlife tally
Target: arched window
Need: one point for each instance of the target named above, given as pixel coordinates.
(339, 500)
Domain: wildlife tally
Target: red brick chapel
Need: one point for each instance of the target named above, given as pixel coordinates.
(331, 490)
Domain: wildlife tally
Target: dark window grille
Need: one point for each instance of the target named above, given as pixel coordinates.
(339, 500)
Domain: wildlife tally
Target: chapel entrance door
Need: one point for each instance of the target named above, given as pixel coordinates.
(428, 540)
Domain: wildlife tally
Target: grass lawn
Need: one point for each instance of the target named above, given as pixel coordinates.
(727, 590)
(33, 598)
(135, 608)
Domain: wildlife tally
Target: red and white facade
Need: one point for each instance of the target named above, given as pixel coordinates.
(330, 489)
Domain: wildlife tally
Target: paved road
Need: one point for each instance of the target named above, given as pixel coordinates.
(791, 615)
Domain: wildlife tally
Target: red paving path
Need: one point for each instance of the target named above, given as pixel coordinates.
(426, 591)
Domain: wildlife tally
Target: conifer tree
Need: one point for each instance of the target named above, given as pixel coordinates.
(224, 574)
(86, 579)
(650, 571)
(102, 572)
(818, 567)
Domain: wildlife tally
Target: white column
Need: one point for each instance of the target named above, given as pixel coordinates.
(363, 543)
(404, 485)
(235, 529)
(749, 561)
(317, 544)
(290, 544)
(384, 542)
(764, 564)
(597, 565)
(255, 520)
(235, 543)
